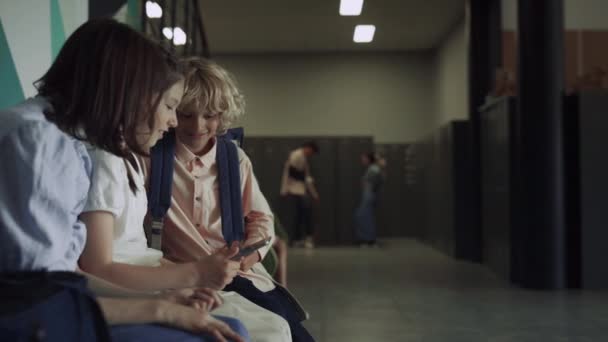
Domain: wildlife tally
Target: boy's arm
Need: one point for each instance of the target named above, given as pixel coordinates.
(259, 220)
(310, 183)
(313, 190)
(284, 179)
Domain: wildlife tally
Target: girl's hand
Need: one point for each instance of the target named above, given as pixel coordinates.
(198, 298)
(190, 319)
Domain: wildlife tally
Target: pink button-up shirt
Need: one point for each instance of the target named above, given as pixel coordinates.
(193, 225)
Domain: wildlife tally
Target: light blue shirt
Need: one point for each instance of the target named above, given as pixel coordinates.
(44, 181)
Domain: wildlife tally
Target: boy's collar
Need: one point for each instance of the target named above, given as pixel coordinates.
(185, 156)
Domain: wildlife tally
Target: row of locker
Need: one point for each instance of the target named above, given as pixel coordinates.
(442, 186)
(489, 230)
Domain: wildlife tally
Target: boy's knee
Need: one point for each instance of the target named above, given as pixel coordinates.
(277, 329)
(269, 327)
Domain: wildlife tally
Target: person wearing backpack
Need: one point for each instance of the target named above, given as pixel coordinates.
(215, 198)
(103, 89)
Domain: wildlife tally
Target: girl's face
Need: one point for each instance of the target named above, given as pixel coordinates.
(165, 117)
(196, 130)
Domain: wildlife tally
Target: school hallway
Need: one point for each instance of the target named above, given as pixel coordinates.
(408, 291)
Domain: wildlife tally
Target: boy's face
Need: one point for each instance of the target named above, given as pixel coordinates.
(196, 130)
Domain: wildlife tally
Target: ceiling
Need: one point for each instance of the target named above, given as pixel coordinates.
(283, 26)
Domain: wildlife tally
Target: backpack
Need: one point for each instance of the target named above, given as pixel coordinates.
(162, 158)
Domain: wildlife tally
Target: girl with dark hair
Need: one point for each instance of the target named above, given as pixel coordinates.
(107, 89)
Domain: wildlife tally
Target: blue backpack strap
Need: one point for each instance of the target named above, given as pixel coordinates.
(235, 134)
(229, 179)
(160, 184)
(162, 157)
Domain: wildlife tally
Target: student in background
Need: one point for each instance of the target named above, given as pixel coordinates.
(298, 187)
(365, 216)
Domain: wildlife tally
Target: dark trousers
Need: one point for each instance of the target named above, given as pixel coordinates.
(301, 211)
(273, 301)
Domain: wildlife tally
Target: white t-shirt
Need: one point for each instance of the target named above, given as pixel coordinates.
(110, 192)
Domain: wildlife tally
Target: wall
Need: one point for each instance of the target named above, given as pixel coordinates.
(451, 78)
(31, 33)
(385, 95)
(585, 42)
(579, 14)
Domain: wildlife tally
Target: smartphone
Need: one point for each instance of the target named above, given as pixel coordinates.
(247, 250)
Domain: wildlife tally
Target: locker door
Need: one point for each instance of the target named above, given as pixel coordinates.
(323, 168)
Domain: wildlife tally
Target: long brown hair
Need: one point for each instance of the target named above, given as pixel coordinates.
(106, 79)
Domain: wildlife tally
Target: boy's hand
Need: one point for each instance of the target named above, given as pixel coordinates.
(249, 261)
(217, 270)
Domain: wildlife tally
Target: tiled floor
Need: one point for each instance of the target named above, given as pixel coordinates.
(405, 291)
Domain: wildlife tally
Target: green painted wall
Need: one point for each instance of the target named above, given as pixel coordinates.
(9, 82)
(134, 14)
(57, 30)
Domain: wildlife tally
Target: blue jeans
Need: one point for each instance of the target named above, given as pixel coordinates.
(365, 218)
(158, 333)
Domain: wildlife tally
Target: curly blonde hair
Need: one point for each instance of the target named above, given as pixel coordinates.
(209, 88)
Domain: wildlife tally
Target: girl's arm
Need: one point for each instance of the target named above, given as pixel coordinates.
(212, 271)
(104, 288)
(142, 311)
